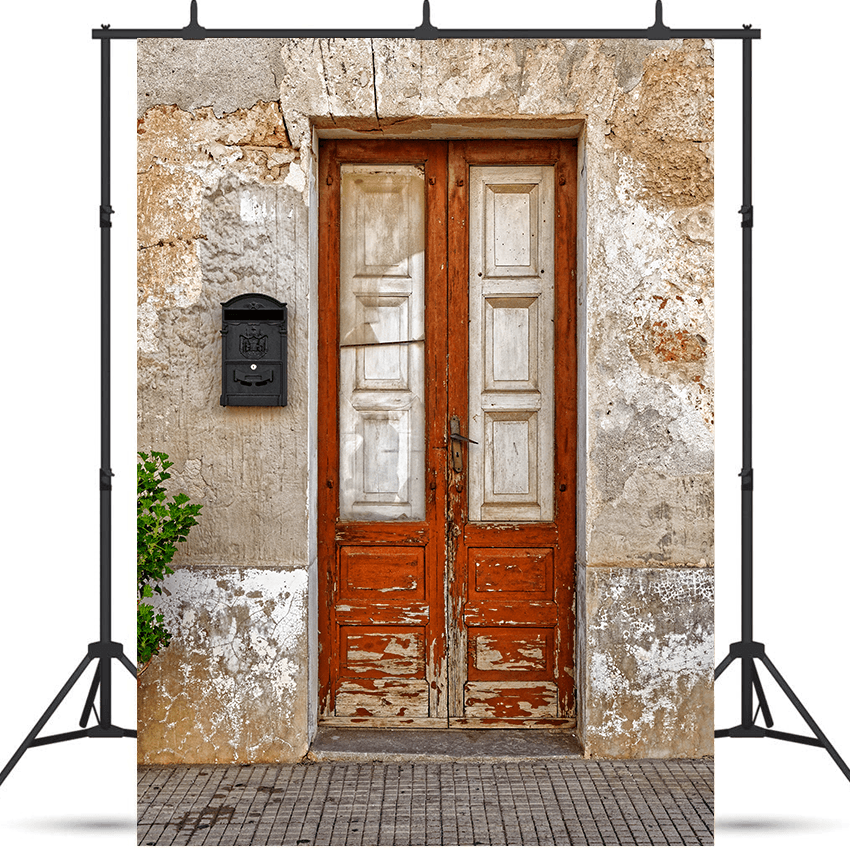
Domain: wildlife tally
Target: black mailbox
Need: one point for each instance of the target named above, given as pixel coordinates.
(253, 351)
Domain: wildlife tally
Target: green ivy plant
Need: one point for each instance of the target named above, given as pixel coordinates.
(162, 524)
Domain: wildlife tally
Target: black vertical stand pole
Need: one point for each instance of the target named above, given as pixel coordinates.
(105, 382)
(747, 382)
(104, 650)
(747, 650)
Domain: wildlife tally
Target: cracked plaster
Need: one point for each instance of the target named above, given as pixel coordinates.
(650, 642)
(226, 687)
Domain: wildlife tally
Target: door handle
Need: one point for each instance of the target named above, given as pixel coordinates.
(456, 438)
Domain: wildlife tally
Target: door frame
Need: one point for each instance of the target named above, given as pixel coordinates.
(446, 192)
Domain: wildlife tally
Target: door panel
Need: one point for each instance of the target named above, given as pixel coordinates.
(381, 347)
(382, 666)
(511, 310)
(446, 554)
(512, 535)
(381, 342)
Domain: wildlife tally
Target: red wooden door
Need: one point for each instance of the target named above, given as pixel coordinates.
(512, 390)
(446, 443)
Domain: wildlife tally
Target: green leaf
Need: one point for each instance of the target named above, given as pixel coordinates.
(162, 523)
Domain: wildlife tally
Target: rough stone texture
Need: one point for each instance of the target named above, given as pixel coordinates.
(650, 321)
(220, 222)
(650, 644)
(208, 73)
(226, 193)
(226, 689)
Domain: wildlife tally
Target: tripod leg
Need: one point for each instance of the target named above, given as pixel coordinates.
(45, 717)
(768, 720)
(723, 665)
(806, 716)
(87, 708)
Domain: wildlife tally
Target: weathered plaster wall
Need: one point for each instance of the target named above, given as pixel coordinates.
(233, 688)
(226, 160)
(218, 215)
(652, 638)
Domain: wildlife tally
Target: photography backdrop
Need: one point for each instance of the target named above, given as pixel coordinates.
(769, 793)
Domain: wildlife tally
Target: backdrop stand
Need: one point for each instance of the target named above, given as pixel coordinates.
(746, 649)
(104, 650)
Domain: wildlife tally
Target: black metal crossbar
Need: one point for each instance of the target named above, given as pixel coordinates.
(427, 32)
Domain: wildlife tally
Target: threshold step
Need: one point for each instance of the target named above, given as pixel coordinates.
(340, 744)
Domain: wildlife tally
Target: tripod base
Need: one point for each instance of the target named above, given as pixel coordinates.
(104, 652)
(748, 652)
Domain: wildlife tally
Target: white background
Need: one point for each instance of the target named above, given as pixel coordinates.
(82, 793)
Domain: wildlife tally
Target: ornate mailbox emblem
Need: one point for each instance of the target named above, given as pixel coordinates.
(253, 344)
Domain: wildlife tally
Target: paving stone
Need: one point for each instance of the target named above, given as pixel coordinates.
(645, 802)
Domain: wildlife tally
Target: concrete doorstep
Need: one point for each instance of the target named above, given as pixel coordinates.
(438, 745)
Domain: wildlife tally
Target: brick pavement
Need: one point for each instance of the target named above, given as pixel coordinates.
(533, 802)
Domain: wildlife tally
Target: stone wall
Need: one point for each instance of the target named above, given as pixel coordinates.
(227, 204)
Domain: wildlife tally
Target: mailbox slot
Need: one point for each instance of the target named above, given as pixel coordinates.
(253, 351)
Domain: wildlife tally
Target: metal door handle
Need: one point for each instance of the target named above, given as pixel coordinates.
(464, 439)
(456, 438)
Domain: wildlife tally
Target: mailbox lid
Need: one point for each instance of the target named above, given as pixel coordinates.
(253, 307)
(254, 328)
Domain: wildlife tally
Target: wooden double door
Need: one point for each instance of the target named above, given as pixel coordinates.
(447, 423)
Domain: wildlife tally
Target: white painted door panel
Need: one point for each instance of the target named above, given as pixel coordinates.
(511, 343)
(382, 330)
